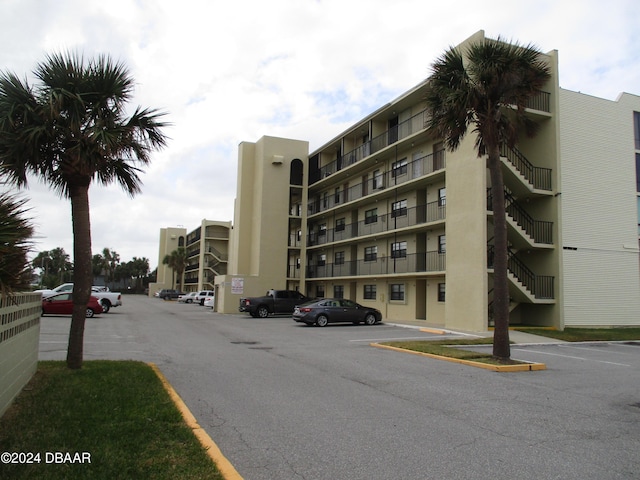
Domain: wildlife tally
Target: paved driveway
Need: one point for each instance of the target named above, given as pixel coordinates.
(286, 401)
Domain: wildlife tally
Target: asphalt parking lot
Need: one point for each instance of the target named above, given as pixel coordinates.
(287, 401)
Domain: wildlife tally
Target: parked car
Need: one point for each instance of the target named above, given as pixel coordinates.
(187, 297)
(62, 304)
(209, 301)
(333, 310)
(202, 294)
(167, 294)
(106, 297)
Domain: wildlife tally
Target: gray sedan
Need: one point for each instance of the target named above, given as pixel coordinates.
(334, 310)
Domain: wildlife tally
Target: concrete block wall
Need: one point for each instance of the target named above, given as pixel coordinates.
(19, 343)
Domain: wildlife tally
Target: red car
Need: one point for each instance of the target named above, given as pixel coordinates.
(62, 304)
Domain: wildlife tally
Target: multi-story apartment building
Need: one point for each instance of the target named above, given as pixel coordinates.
(207, 248)
(207, 255)
(382, 214)
(170, 239)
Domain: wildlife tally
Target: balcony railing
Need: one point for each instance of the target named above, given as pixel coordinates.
(540, 286)
(412, 263)
(401, 131)
(430, 212)
(540, 231)
(539, 177)
(418, 168)
(541, 101)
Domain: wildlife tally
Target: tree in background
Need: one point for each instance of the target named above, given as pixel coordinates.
(55, 267)
(70, 129)
(177, 262)
(110, 261)
(488, 87)
(15, 244)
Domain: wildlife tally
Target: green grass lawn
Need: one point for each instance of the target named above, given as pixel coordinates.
(118, 414)
(587, 334)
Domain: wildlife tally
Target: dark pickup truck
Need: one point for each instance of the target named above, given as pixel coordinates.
(275, 301)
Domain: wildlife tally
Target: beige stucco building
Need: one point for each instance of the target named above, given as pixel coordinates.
(207, 248)
(382, 214)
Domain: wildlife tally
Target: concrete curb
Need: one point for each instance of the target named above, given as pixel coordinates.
(225, 467)
(525, 367)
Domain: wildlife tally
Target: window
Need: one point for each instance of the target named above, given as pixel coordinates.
(442, 244)
(441, 292)
(370, 292)
(371, 216)
(442, 197)
(399, 250)
(399, 209)
(320, 291)
(336, 196)
(399, 168)
(370, 254)
(338, 291)
(340, 224)
(378, 182)
(339, 258)
(325, 200)
(298, 263)
(323, 229)
(397, 291)
(636, 129)
(322, 260)
(637, 172)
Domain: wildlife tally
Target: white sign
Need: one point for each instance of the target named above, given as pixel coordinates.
(237, 286)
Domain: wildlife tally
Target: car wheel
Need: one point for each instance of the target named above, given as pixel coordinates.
(322, 321)
(90, 313)
(189, 301)
(106, 306)
(370, 319)
(263, 312)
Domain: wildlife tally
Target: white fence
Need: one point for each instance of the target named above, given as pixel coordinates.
(19, 343)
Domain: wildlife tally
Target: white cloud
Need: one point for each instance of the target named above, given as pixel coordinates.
(229, 72)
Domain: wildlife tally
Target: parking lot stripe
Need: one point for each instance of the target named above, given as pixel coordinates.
(570, 356)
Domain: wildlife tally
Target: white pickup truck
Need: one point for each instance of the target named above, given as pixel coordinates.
(107, 299)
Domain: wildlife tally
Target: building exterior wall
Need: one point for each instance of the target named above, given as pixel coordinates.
(170, 239)
(19, 343)
(264, 214)
(599, 198)
(207, 255)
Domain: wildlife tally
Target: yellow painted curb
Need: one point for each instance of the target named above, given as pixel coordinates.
(496, 368)
(436, 331)
(226, 468)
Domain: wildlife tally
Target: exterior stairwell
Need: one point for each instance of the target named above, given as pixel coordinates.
(532, 178)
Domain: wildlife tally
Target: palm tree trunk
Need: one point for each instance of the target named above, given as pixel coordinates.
(501, 348)
(82, 271)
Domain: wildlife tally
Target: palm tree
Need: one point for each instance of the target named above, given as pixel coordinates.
(15, 243)
(177, 261)
(110, 259)
(70, 129)
(488, 86)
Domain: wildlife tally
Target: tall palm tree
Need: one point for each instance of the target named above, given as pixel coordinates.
(15, 242)
(110, 259)
(70, 129)
(177, 262)
(487, 86)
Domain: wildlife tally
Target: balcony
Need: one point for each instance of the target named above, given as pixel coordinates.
(426, 262)
(418, 168)
(420, 215)
(403, 130)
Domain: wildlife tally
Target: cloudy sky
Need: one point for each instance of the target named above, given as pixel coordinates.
(233, 71)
